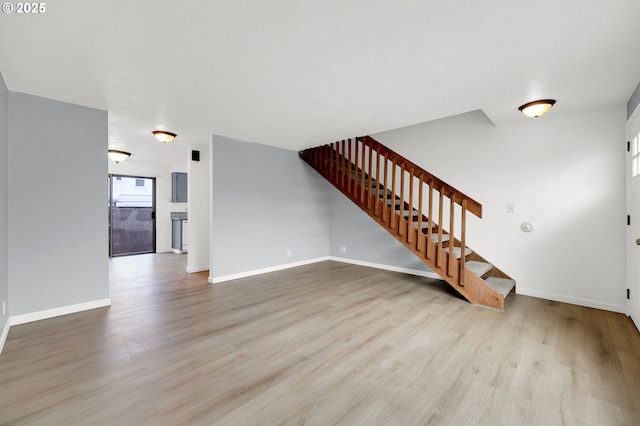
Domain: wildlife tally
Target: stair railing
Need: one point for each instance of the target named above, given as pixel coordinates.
(391, 189)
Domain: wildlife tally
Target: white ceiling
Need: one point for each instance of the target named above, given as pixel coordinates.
(297, 73)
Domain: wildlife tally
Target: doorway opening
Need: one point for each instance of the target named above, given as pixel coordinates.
(132, 215)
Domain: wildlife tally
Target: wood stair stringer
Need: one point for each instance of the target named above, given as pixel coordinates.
(401, 220)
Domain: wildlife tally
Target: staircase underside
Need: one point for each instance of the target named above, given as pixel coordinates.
(472, 276)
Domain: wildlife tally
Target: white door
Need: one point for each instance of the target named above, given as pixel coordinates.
(633, 231)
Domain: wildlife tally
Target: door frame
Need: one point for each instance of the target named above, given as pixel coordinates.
(632, 128)
(110, 205)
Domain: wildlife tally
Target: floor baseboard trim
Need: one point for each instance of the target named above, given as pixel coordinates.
(230, 277)
(216, 280)
(5, 333)
(387, 267)
(56, 312)
(200, 269)
(571, 300)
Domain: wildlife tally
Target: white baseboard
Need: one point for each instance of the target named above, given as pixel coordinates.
(526, 292)
(199, 269)
(387, 267)
(5, 333)
(216, 280)
(571, 300)
(56, 312)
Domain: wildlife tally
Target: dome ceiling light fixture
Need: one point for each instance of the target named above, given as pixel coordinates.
(118, 156)
(164, 136)
(537, 109)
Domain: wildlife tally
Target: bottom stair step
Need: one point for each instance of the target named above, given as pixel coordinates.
(478, 268)
(502, 285)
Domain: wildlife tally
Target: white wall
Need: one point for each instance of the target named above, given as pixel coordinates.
(564, 173)
(58, 254)
(4, 210)
(164, 206)
(199, 188)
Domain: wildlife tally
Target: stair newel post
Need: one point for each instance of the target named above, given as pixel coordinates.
(377, 194)
(355, 169)
(401, 194)
(369, 175)
(430, 221)
(440, 214)
(385, 208)
(349, 172)
(356, 176)
(338, 160)
(419, 233)
(327, 160)
(392, 210)
(452, 206)
(362, 173)
(337, 165)
(344, 159)
(463, 238)
(329, 150)
(410, 217)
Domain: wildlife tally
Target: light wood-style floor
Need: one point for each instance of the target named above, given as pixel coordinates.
(322, 344)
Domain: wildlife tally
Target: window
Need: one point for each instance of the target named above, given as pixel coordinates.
(140, 182)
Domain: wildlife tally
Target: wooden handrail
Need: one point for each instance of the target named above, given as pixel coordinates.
(390, 199)
(449, 191)
(433, 225)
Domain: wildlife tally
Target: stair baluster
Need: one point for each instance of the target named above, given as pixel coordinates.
(350, 168)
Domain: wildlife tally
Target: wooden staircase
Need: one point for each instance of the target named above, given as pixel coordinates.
(424, 213)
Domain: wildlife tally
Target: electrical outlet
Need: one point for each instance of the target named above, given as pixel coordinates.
(288, 253)
(511, 208)
(343, 249)
(4, 307)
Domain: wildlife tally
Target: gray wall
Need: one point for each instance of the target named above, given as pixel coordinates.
(633, 101)
(365, 240)
(265, 201)
(57, 204)
(4, 209)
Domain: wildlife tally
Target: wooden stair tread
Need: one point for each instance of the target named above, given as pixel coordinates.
(400, 216)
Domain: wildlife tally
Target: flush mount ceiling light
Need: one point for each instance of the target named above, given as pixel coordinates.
(536, 109)
(118, 156)
(164, 136)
